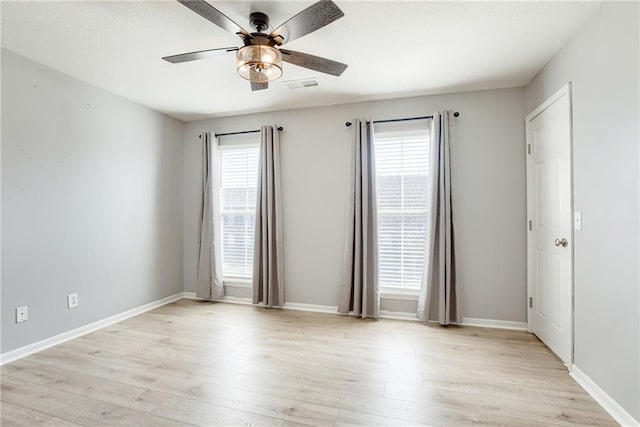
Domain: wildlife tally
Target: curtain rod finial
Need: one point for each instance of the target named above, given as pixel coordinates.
(347, 124)
(280, 128)
(456, 114)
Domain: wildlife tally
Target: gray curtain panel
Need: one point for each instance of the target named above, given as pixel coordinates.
(440, 297)
(359, 287)
(209, 276)
(268, 252)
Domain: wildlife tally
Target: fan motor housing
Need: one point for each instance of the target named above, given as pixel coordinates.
(260, 38)
(259, 21)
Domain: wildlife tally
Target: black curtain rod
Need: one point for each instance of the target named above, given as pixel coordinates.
(237, 133)
(240, 133)
(244, 131)
(456, 114)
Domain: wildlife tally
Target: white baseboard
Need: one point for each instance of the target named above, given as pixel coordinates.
(333, 309)
(315, 308)
(21, 352)
(602, 397)
(397, 315)
(310, 307)
(287, 306)
(490, 323)
(190, 295)
(227, 299)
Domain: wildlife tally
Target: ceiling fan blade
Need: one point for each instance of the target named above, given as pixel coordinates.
(309, 20)
(312, 62)
(201, 54)
(212, 14)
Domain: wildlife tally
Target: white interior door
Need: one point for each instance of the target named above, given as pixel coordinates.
(550, 238)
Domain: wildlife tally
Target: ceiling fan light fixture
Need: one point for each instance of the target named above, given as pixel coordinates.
(259, 63)
(260, 59)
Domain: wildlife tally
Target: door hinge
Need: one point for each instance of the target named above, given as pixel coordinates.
(528, 148)
(530, 302)
(530, 225)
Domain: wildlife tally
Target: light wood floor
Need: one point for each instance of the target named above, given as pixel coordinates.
(199, 363)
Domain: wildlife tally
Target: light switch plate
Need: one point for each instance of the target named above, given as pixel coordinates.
(72, 300)
(577, 220)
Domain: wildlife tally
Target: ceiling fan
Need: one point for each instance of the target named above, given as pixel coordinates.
(260, 59)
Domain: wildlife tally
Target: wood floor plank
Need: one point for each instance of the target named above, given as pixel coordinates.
(204, 363)
(350, 418)
(406, 411)
(141, 399)
(542, 409)
(74, 408)
(235, 374)
(16, 416)
(256, 402)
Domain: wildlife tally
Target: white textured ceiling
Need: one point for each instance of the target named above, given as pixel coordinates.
(393, 49)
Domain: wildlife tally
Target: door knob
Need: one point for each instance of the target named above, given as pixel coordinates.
(562, 242)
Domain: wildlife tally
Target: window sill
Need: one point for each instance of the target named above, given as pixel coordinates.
(236, 283)
(399, 294)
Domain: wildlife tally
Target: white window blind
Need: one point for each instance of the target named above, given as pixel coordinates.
(402, 173)
(238, 181)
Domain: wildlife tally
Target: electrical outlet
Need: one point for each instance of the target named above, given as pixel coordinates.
(72, 300)
(22, 314)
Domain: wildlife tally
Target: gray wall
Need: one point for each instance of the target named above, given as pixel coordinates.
(489, 176)
(90, 202)
(601, 61)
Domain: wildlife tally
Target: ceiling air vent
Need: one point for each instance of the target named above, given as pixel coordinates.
(298, 84)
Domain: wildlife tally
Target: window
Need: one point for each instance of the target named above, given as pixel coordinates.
(402, 178)
(238, 181)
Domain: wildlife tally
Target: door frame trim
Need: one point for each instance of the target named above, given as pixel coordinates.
(564, 90)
